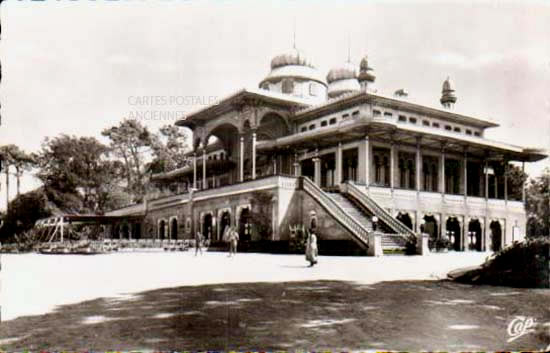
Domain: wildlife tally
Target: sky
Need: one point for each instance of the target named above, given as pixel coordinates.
(78, 67)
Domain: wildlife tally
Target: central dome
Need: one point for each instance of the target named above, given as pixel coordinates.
(293, 74)
(293, 57)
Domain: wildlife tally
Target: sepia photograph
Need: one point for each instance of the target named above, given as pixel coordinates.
(274, 176)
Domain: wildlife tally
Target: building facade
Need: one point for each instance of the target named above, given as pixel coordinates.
(337, 156)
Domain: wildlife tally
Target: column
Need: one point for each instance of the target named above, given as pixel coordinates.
(465, 175)
(418, 165)
(392, 166)
(363, 164)
(204, 184)
(486, 179)
(338, 173)
(241, 159)
(296, 165)
(506, 181)
(523, 184)
(253, 155)
(194, 170)
(317, 165)
(442, 172)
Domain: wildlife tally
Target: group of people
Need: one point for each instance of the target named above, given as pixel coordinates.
(230, 235)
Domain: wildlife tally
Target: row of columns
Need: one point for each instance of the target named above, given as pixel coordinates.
(241, 162)
(365, 163)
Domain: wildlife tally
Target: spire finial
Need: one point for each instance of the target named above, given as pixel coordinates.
(294, 34)
(349, 48)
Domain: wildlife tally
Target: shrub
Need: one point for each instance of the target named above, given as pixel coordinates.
(442, 243)
(522, 264)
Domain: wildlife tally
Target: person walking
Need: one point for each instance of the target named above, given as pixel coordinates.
(233, 242)
(311, 249)
(198, 241)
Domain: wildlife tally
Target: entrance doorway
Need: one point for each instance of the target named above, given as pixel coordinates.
(225, 222)
(496, 236)
(162, 229)
(405, 219)
(207, 226)
(174, 229)
(474, 235)
(454, 234)
(430, 227)
(244, 225)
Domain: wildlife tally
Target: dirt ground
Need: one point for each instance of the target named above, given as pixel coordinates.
(308, 314)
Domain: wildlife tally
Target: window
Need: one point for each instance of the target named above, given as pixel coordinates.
(324, 123)
(355, 113)
(332, 121)
(402, 118)
(388, 114)
(287, 86)
(435, 124)
(312, 89)
(457, 129)
(345, 116)
(376, 112)
(312, 126)
(477, 134)
(448, 128)
(468, 132)
(303, 129)
(425, 123)
(412, 120)
(265, 86)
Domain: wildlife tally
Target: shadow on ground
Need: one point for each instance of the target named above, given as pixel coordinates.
(319, 315)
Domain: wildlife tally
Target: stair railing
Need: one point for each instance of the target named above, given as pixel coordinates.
(381, 213)
(335, 210)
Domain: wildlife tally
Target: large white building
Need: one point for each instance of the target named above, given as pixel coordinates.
(336, 155)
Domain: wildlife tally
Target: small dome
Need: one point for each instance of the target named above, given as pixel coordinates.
(344, 72)
(293, 57)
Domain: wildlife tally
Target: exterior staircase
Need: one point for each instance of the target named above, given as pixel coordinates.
(354, 210)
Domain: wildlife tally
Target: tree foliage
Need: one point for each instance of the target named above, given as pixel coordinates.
(537, 205)
(77, 174)
(132, 143)
(23, 212)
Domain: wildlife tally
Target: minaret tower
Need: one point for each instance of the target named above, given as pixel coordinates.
(366, 76)
(448, 96)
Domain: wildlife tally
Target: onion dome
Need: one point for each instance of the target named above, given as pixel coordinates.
(342, 79)
(292, 67)
(365, 71)
(293, 57)
(448, 96)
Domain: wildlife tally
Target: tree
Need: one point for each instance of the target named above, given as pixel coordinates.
(537, 205)
(20, 160)
(77, 174)
(132, 143)
(24, 211)
(516, 181)
(169, 148)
